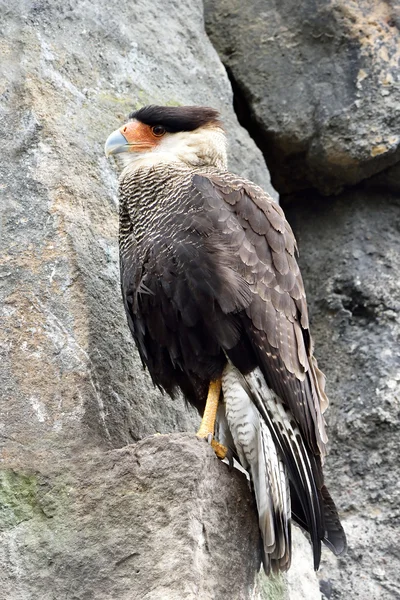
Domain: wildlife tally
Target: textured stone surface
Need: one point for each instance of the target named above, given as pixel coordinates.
(318, 81)
(129, 524)
(302, 584)
(349, 254)
(72, 72)
(72, 387)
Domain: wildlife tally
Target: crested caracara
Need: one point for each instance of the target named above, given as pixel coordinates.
(216, 305)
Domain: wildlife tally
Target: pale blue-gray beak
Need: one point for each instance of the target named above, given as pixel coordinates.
(116, 143)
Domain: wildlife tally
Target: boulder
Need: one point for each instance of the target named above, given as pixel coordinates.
(129, 524)
(316, 83)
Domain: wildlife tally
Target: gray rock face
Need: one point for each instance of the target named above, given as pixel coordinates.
(320, 83)
(72, 72)
(317, 82)
(134, 523)
(350, 252)
(77, 518)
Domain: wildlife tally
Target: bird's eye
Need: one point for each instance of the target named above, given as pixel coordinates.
(158, 130)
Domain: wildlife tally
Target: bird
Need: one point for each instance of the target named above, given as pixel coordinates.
(216, 305)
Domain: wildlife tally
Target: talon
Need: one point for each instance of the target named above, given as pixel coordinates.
(220, 450)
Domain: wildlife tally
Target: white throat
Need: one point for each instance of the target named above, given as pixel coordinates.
(205, 146)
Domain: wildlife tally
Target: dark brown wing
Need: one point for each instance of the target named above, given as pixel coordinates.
(216, 275)
(182, 295)
(276, 324)
(276, 320)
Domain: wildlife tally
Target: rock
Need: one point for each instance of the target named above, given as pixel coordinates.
(72, 387)
(316, 83)
(349, 252)
(301, 580)
(131, 523)
(387, 180)
(71, 74)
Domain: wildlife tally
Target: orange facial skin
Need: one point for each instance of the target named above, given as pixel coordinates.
(141, 137)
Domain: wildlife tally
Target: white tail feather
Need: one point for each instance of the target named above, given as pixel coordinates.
(258, 453)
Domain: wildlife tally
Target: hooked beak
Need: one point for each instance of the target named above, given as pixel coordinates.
(131, 137)
(116, 143)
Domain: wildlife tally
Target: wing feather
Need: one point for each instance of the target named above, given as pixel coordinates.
(266, 260)
(219, 278)
(276, 324)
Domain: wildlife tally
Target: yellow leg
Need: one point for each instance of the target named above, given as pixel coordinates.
(207, 425)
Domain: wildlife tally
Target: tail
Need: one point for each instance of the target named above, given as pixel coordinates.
(258, 454)
(283, 470)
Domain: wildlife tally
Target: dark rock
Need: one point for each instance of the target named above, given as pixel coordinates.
(388, 179)
(317, 85)
(326, 588)
(349, 251)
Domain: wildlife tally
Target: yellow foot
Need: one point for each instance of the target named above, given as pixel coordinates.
(220, 450)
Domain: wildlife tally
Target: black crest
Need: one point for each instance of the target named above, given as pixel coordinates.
(177, 118)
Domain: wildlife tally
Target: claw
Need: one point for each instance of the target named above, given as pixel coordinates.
(220, 450)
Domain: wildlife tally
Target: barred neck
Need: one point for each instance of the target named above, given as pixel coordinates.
(148, 197)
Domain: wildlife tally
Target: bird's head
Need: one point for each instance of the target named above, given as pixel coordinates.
(163, 134)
